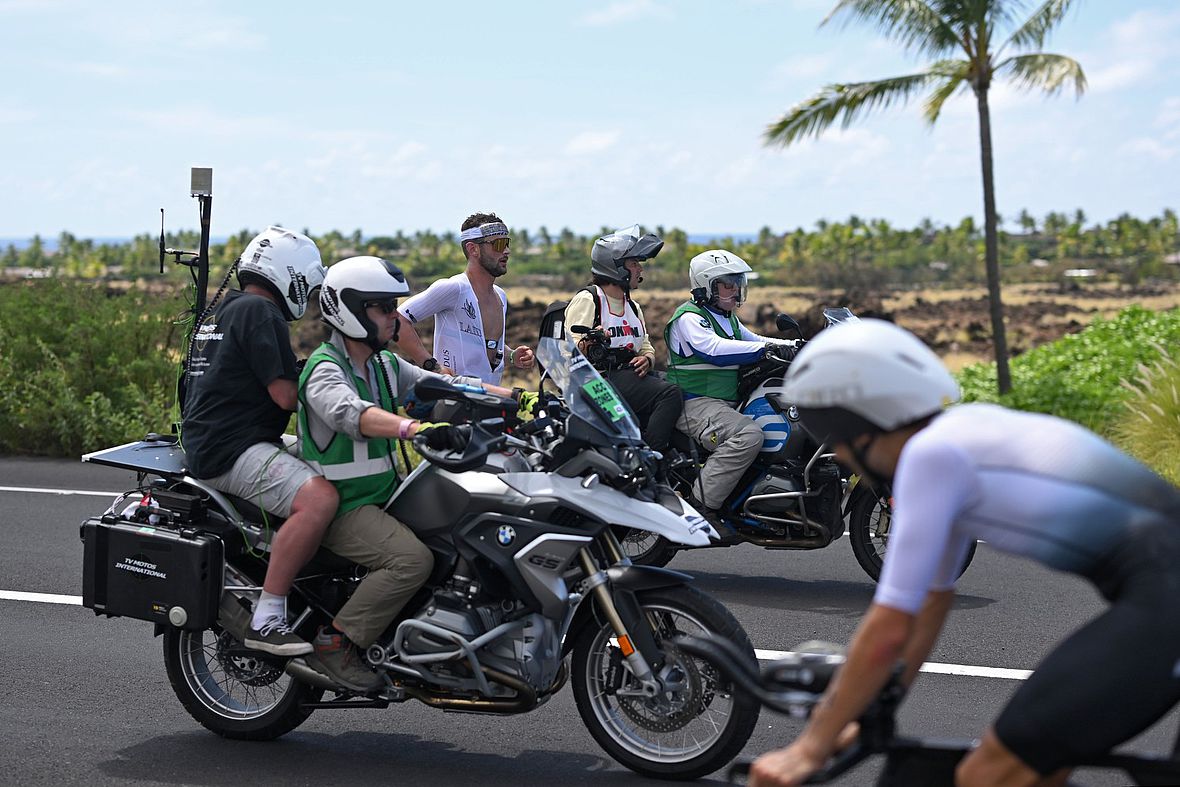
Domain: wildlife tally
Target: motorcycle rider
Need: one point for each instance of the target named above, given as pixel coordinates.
(707, 344)
(1029, 484)
(240, 393)
(348, 394)
(616, 265)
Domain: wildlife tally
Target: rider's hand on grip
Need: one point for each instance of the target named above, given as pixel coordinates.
(444, 436)
(780, 351)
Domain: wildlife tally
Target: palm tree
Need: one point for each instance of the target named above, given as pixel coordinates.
(947, 30)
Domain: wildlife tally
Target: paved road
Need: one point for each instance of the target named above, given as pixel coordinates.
(86, 700)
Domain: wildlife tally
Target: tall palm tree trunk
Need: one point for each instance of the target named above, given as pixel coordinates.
(991, 244)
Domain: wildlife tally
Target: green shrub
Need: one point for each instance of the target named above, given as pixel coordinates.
(1149, 427)
(81, 368)
(1078, 377)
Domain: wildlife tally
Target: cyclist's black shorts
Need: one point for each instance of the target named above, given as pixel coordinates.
(1114, 677)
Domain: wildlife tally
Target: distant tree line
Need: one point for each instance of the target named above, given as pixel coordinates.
(852, 253)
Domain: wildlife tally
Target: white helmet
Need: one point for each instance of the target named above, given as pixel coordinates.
(285, 262)
(866, 376)
(705, 269)
(354, 282)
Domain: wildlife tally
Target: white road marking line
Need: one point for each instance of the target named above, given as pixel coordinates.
(58, 491)
(763, 655)
(40, 598)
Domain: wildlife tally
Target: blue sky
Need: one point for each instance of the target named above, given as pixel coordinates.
(390, 115)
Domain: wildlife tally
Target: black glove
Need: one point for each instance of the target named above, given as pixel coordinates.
(444, 436)
(776, 351)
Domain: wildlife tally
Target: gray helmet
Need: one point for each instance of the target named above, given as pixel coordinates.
(610, 253)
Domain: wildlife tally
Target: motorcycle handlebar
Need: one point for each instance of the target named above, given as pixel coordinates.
(483, 441)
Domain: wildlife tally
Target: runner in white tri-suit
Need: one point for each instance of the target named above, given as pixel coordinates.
(469, 310)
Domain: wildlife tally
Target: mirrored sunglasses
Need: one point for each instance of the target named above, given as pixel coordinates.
(499, 244)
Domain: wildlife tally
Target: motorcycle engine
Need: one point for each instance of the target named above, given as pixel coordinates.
(801, 513)
(531, 652)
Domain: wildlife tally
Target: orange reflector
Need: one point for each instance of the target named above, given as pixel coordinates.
(626, 646)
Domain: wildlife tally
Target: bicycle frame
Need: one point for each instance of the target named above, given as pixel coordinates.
(788, 686)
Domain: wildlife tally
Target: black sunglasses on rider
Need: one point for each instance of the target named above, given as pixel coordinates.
(387, 306)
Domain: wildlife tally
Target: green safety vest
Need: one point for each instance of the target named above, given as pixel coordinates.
(693, 375)
(363, 471)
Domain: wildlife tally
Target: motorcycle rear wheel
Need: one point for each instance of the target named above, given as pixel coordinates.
(869, 518)
(231, 691)
(683, 733)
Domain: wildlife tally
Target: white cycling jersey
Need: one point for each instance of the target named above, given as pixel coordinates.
(1027, 484)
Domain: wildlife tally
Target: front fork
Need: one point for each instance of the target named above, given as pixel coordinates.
(633, 631)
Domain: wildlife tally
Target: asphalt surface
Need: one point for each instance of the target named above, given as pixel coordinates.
(86, 699)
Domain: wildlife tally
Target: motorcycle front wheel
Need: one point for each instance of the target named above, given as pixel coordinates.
(695, 725)
(232, 691)
(869, 518)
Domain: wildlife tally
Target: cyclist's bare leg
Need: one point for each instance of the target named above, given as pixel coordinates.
(993, 764)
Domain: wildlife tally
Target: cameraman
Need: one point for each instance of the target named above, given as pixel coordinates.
(618, 344)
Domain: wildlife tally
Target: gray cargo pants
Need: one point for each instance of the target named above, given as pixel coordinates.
(398, 565)
(734, 439)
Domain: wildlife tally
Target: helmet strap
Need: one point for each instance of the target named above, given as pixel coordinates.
(876, 480)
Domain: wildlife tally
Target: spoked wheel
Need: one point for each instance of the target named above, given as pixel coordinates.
(233, 691)
(696, 723)
(869, 519)
(644, 547)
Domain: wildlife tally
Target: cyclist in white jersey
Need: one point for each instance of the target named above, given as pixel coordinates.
(1027, 484)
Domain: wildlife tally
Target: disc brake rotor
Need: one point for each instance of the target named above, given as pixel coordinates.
(245, 667)
(672, 710)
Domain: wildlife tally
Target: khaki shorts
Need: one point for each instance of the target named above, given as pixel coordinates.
(267, 476)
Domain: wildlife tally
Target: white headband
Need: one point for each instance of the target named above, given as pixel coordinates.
(493, 229)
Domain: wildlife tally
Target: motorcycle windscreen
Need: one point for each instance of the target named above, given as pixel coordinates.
(587, 394)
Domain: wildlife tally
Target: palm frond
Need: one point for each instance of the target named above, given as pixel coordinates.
(954, 74)
(915, 24)
(844, 102)
(1048, 72)
(1034, 31)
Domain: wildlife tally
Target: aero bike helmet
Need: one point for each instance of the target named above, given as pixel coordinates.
(710, 267)
(866, 377)
(609, 256)
(349, 285)
(285, 262)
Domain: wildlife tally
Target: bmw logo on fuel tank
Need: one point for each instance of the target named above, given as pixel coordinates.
(505, 535)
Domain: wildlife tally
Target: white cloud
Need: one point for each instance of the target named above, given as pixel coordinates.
(808, 68)
(623, 11)
(1137, 49)
(16, 115)
(1149, 147)
(101, 70)
(1169, 114)
(589, 142)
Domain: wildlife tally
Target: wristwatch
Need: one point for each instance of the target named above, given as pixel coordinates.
(430, 364)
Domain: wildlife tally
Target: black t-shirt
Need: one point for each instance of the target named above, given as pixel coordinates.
(242, 347)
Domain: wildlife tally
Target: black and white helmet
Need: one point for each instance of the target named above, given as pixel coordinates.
(710, 267)
(610, 253)
(866, 377)
(354, 282)
(285, 262)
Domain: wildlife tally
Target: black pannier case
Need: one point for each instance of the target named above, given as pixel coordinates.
(172, 577)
